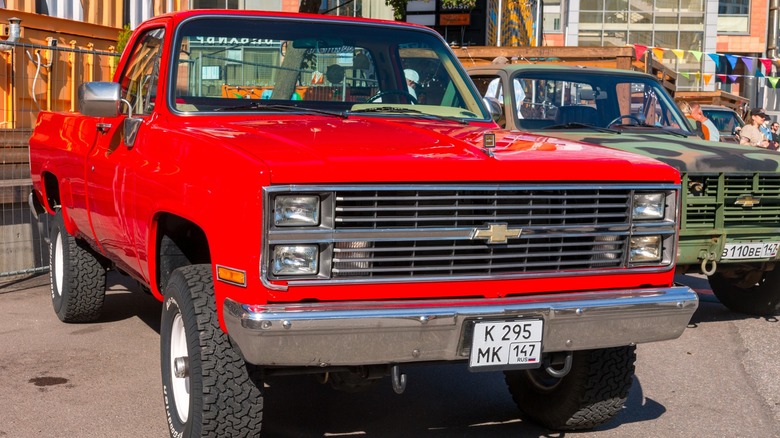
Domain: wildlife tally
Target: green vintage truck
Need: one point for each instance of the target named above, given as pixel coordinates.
(730, 225)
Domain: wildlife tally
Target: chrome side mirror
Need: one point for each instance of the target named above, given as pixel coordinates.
(99, 99)
(494, 107)
(104, 99)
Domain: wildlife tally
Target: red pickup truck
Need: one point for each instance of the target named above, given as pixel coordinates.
(320, 195)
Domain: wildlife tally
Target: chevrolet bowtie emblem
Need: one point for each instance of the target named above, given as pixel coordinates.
(496, 233)
(747, 201)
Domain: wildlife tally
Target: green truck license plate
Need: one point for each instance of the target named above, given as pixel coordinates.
(755, 250)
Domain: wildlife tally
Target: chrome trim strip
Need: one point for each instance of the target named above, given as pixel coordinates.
(362, 333)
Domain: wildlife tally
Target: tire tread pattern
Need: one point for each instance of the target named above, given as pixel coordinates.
(84, 291)
(593, 392)
(232, 401)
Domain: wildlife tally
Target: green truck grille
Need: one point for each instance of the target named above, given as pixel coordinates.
(748, 200)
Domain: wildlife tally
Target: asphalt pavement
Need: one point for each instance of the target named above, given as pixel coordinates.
(720, 379)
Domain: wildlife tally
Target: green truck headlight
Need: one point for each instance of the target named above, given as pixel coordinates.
(296, 211)
(295, 260)
(648, 206)
(645, 249)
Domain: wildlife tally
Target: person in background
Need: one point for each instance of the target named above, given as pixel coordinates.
(709, 130)
(495, 90)
(768, 133)
(775, 130)
(695, 125)
(412, 79)
(751, 134)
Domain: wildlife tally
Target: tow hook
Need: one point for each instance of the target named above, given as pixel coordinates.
(181, 367)
(398, 379)
(704, 267)
(563, 371)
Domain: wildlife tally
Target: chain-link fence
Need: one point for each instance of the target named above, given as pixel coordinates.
(34, 78)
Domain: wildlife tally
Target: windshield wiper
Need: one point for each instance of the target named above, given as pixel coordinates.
(409, 111)
(571, 125)
(259, 106)
(663, 129)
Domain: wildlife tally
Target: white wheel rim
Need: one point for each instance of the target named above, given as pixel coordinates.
(59, 264)
(180, 385)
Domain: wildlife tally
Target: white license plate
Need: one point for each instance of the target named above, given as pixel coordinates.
(506, 344)
(756, 250)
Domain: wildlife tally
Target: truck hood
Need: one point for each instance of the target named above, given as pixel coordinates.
(689, 154)
(387, 149)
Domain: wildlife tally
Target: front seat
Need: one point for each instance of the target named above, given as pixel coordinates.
(577, 114)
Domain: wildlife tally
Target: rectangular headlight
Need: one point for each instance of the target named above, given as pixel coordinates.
(295, 260)
(648, 206)
(644, 249)
(296, 211)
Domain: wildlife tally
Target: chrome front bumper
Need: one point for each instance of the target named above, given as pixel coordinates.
(364, 333)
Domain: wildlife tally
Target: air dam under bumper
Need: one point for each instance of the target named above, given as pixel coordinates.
(363, 333)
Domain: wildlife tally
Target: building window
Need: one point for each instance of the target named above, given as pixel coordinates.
(551, 16)
(734, 16)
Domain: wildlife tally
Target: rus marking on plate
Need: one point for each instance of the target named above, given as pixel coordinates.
(496, 233)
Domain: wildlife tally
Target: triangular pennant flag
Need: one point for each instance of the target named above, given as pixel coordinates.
(733, 78)
(679, 53)
(721, 78)
(696, 54)
(698, 75)
(748, 61)
(639, 50)
(707, 78)
(715, 58)
(759, 74)
(767, 65)
(685, 75)
(658, 52)
(773, 80)
(732, 59)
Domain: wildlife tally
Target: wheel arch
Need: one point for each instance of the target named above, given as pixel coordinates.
(178, 242)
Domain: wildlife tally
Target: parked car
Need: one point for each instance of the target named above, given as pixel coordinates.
(726, 120)
(730, 227)
(303, 205)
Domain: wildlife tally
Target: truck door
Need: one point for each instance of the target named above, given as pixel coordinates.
(112, 165)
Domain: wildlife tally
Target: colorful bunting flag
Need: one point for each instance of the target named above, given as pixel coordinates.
(732, 59)
(715, 58)
(748, 61)
(680, 54)
(721, 78)
(773, 81)
(658, 52)
(707, 78)
(696, 54)
(639, 50)
(767, 65)
(733, 78)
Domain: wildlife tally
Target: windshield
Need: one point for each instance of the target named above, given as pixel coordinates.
(550, 99)
(283, 64)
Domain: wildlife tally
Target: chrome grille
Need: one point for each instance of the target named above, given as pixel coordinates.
(458, 208)
(388, 233)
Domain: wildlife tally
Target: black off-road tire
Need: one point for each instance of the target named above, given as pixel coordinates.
(592, 393)
(762, 299)
(77, 277)
(221, 395)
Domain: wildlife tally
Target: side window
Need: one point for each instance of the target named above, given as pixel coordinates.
(139, 82)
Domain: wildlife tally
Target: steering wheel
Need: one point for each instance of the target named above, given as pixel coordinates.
(385, 93)
(627, 116)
